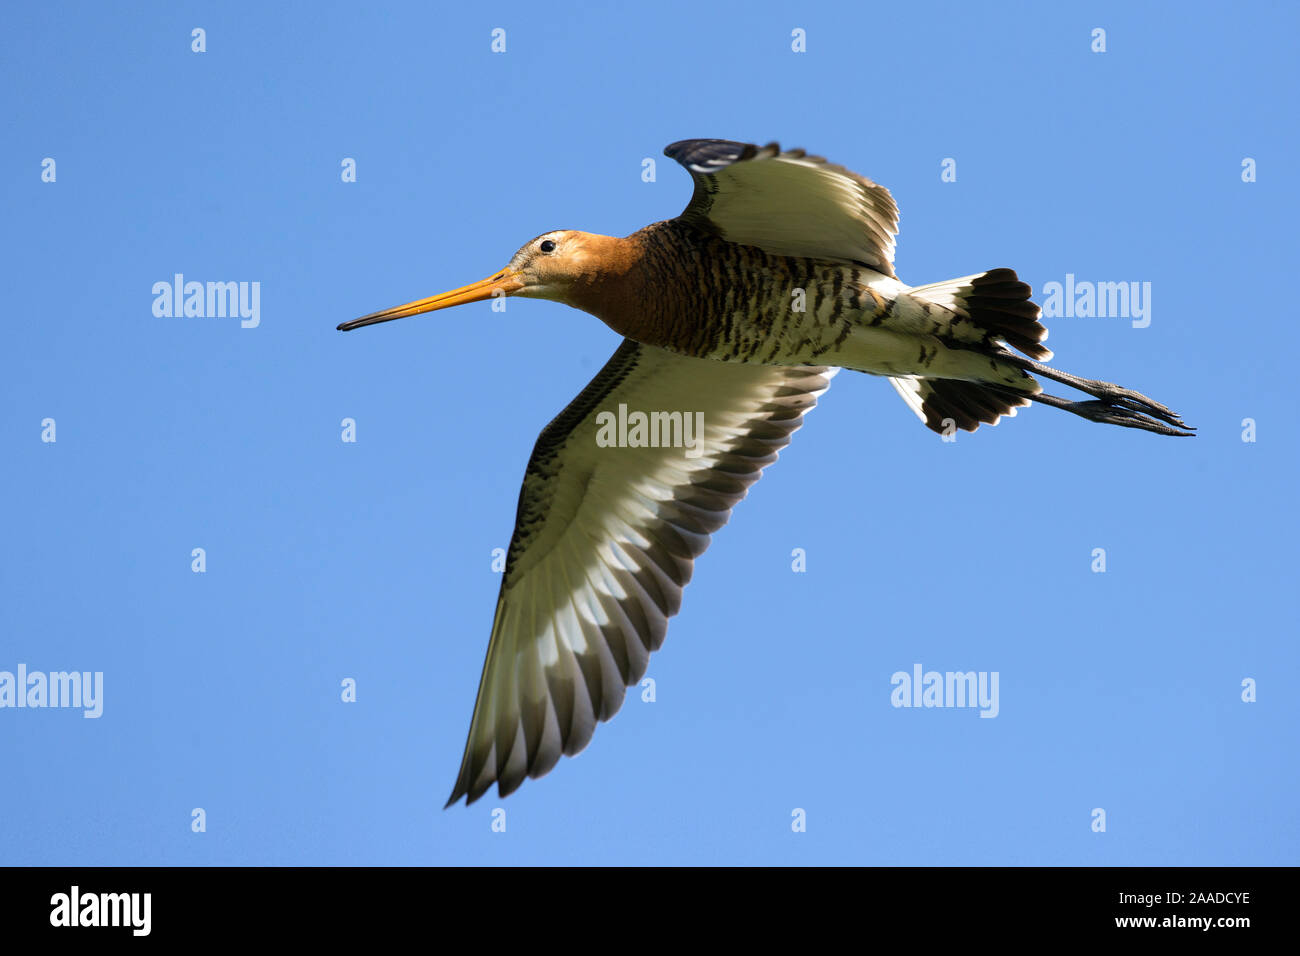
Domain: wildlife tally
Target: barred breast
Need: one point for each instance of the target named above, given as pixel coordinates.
(733, 303)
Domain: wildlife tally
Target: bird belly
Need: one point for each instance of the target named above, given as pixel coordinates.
(782, 311)
(805, 312)
(735, 303)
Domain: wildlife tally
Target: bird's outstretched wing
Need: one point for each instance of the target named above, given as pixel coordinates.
(788, 203)
(605, 539)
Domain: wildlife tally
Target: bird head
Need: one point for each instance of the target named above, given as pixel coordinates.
(563, 266)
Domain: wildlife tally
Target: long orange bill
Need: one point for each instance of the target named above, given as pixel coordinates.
(503, 283)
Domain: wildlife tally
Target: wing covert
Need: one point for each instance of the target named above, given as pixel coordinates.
(788, 203)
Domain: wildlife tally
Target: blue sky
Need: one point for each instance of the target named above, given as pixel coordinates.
(371, 560)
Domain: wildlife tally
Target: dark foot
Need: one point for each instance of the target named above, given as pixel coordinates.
(1116, 405)
(1123, 411)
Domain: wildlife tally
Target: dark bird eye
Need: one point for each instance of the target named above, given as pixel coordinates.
(548, 245)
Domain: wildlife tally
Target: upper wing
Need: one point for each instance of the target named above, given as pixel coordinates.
(788, 204)
(604, 542)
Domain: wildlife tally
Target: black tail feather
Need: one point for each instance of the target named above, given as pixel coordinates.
(948, 402)
(994, 314)
(999, 303)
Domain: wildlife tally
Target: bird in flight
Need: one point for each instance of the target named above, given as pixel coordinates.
(735, 314)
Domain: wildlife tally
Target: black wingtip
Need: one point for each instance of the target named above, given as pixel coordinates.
(709, 153)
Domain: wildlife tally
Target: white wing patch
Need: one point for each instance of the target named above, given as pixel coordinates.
(909, 387)
(605, 540)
